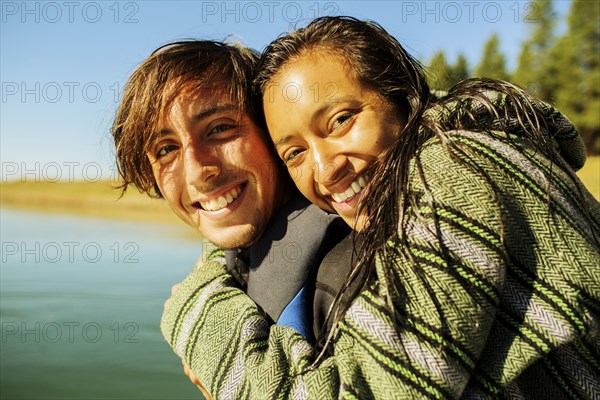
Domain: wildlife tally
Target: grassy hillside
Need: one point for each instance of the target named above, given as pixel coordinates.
(590, 175)
(101, 199)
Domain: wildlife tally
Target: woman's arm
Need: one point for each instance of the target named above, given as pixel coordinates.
(449, 284)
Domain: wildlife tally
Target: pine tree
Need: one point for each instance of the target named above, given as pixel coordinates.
(493, 62)
(534, 66)
(442, 76)
(439, 72)
(577, 56)
(460, 70)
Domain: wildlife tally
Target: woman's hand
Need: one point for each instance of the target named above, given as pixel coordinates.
(195, 380)
(173, 290)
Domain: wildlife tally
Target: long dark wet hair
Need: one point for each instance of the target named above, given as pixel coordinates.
(378, 60)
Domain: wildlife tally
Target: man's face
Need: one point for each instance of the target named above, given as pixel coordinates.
(215, 170)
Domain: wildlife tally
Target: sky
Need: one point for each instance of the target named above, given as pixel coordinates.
(63, 64)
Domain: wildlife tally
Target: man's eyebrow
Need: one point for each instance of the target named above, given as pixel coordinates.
(214, 110)
(202, 115)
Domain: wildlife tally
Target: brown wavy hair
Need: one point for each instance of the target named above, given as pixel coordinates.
(172, 70)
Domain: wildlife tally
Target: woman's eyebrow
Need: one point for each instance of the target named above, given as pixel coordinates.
(326, 106)
(330, 103)
(283, 140)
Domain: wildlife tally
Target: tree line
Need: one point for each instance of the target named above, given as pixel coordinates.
(563, 70)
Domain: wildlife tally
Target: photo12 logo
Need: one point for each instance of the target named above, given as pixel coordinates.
(53, 12)
(52, 172)
(68, 332)
(69, 252)
(264, 12)
(58, 92)
(468, 11)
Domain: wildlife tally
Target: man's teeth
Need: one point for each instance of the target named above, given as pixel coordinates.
(222, 201)
(356, 187)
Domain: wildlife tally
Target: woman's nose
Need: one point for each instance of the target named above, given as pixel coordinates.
(330, 163)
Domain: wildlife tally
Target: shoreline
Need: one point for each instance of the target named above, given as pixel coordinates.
(87, 199)
(102, 199)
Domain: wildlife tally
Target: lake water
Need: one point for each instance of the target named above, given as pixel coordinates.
(80, 305)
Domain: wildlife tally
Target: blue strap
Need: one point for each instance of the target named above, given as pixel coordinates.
(296, 315)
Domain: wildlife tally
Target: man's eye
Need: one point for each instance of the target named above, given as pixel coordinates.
(164, 150)
(221, 128)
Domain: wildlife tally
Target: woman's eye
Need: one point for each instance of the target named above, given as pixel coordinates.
(291, 156)
(164, 150)
(341, 121)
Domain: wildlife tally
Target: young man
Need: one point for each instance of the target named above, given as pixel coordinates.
(188, 131)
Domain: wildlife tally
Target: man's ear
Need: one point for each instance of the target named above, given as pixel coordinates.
(157, 192)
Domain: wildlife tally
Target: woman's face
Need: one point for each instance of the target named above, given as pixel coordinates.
(328, 128)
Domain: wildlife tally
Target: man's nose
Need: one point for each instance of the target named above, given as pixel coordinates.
(200, 165)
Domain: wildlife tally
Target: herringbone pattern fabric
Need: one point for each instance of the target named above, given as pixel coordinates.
(500, 296)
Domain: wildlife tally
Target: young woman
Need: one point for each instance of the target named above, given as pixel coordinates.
(480, 248)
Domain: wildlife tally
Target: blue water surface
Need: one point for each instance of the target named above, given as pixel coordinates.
(80, 305)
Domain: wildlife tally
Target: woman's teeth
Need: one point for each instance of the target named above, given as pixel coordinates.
(222, 201)
(356, 187)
